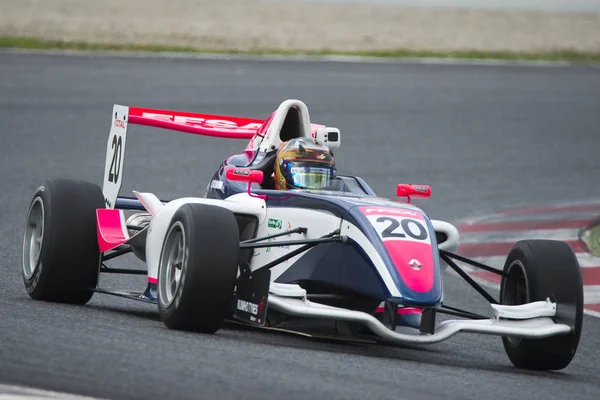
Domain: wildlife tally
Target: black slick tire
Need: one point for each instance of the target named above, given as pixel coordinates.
(198, 268)
(544, 269)
(60, 256)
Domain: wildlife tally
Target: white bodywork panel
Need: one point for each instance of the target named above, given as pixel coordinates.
(272, 138)
(115, 152)
(451, 244)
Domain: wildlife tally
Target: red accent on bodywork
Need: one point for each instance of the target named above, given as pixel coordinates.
(198, 124)
(152, 280)
(402, 252)
(110, 229)
(409, 190)
(402, 310)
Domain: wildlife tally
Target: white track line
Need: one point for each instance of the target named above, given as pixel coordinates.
(13, 392)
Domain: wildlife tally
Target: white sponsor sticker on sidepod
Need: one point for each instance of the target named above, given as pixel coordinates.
(216, 185)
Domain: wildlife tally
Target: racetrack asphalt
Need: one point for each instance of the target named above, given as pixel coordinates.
(486, 138)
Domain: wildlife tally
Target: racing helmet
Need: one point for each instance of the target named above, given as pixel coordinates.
(304, 163)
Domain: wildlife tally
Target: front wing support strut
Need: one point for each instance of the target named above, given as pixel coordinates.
(467, 278)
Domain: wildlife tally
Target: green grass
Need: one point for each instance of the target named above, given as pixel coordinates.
(34, 43)
(592, 239)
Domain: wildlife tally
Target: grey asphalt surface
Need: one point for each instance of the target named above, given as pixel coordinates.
(485, 138)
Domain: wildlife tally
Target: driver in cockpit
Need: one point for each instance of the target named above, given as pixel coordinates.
(303, 163)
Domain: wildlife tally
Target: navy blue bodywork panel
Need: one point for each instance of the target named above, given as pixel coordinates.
(337, 264)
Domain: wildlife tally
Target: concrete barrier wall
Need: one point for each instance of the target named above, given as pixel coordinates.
(298, 25)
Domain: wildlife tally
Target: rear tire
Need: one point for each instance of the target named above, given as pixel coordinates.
(550, 270)
(198, 268)
(60, 245)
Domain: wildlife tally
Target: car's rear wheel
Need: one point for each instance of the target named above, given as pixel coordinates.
(542, 269)
(198, 268)
(60, 247)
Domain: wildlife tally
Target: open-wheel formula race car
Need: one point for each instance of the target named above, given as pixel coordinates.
(272, 259)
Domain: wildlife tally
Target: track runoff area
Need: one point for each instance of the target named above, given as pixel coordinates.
(488, 239)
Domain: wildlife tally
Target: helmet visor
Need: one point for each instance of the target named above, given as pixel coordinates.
(311, 176)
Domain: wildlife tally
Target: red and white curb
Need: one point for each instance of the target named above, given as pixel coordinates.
(488, 239)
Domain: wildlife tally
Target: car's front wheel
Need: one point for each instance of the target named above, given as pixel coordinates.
(542, 269)
(198, 268)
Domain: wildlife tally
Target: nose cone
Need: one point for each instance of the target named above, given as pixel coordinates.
(406, 242)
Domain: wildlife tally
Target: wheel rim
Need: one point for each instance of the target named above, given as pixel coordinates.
(515, 291)
(172, 264)
(34, 236)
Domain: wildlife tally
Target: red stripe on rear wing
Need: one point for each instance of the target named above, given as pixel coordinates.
(198, 124)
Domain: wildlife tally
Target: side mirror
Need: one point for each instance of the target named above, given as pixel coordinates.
(246, 175)
(409, 190)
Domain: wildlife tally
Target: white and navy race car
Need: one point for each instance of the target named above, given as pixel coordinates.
(371, 267)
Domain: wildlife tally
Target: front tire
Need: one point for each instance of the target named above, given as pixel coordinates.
(60, 246)
(544, 269)
(198, 268)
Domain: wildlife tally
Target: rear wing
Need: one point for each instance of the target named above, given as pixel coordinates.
(198, 124)
(251, 129)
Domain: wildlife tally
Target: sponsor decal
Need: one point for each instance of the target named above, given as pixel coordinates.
(274, 223)
(199, 121)
(243, 172)
(310, 170)
(119, 123)
(420, 189)
(415, 264)
(248, 307)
